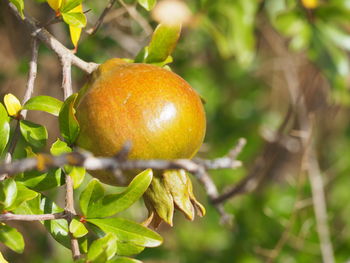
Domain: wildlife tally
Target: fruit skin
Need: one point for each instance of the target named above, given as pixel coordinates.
(159, 114)
(151, 107)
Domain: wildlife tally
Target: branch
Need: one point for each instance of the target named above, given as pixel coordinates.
(99, 21)
(198, 167)
(66, 76)
(51, 42)
(69, 209)
(91, 162)
(13, 217)
(247, 184)
(223, 162)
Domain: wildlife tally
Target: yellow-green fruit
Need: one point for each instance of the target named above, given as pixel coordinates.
(152, 108)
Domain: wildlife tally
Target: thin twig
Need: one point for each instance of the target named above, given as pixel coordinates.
(15, 217)
(33, 67)
(70, 213)
(99, 21)
(238, 148)
(51, 42)
(116, 13)
(131, 9)
(27, 95)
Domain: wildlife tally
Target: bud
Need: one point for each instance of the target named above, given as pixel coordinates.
(12, 104)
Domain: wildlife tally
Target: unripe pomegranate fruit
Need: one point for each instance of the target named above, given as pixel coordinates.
(158, 113)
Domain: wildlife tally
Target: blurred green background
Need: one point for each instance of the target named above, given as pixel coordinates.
(256, 63)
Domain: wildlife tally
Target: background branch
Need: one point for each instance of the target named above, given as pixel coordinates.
(131, 9)
(298, 100)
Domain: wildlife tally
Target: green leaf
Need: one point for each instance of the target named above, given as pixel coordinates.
(83, 244)
(40, 181)
(11, 238)
(57, 228)
(4, 128)
(23, 194)
(34, 134)
(44, 103)
(163, 42)
(59, 231)
(59, 147)
(69, 5)
(103, 249)
(30, 207)
(92, 193)
(75, 19)
(115, 203)
(19, 5)
(128, 231)
(147, 4)
(77, 174)
(8, 193)
(124, 260)
(123, 248)
(69, 126)
(77, 228)
(128, 249)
